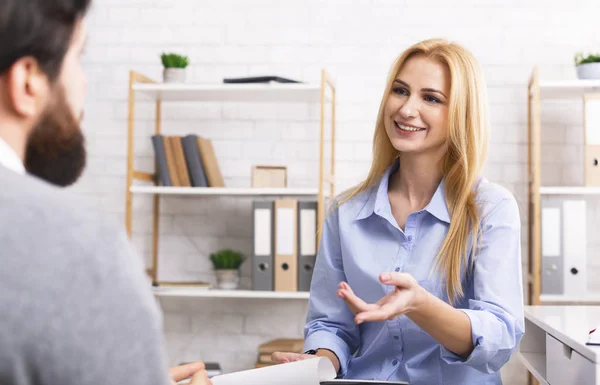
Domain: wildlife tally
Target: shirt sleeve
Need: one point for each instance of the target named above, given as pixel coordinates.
(496, 310)
(330, 324)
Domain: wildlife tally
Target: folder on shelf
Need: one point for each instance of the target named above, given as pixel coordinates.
(194, 161)
(162, 169)
(307, 242)
(575, 244)
(591, 122)
(552, 256)
(209, 161)
(286, 254)
(262, 245)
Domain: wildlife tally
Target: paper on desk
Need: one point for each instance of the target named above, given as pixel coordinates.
(305, 372)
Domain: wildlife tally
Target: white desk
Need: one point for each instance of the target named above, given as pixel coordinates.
(553, 348)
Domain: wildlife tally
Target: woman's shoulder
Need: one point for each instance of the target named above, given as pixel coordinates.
(491, 197)
(349, 204)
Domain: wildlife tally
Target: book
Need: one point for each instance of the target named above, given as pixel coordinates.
(194, 161)
(260, 79)
(293, 345)
(209, 161)
(162, 168)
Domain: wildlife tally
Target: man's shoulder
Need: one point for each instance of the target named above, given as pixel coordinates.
(47, 222)
(27, 198)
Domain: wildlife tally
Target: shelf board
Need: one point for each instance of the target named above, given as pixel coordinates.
(223, 191)
(214, 293)
(568, 88)
(221, 92)
(536, 364)
(560, 298)
(569, 190)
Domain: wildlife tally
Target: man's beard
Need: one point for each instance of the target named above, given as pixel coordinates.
(55, 148)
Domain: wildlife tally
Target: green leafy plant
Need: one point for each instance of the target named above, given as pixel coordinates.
(227, 259)
(591, 58)
(173, 60)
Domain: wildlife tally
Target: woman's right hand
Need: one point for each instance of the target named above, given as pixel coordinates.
(285, 357)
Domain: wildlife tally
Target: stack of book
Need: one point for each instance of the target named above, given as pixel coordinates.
(266, 349)
(187, 161)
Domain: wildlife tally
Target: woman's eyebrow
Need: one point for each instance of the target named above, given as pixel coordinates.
(422, 89)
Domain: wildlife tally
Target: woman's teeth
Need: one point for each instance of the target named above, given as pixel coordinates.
(407, 128)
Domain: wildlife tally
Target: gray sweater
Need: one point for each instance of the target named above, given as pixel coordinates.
(75, 306)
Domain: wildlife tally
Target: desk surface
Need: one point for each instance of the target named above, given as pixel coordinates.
(569, 324)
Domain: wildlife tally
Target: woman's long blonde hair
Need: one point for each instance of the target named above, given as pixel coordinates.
(467, 149)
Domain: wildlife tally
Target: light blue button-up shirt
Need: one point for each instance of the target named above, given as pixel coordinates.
(361, 239)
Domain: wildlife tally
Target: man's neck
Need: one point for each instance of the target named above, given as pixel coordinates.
(15, 138)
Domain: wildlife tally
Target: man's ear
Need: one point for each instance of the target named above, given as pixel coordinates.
(28, 87)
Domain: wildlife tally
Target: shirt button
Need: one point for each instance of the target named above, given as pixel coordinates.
(396, 337)
(397, 269)
(410, 238)
(395, 362)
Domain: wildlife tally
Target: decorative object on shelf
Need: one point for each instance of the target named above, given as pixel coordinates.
(174, 67)
(269, 176)
(226, 263)
(588, 67)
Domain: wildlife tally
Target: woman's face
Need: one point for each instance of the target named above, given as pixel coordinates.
(416, 111)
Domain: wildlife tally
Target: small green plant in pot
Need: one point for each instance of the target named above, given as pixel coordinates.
(226, 263)
(174, 67)
(588, 66)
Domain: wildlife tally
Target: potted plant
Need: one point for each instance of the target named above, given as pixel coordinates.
(226, 263)
(174, 67)
(588, 66)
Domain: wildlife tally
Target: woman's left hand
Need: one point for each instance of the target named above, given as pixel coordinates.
(406, 297)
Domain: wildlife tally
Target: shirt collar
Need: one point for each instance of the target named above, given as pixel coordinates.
(378, 202)
(10, 159)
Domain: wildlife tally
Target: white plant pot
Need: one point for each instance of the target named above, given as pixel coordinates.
(228, 279)
(588, 71)
(174, 75)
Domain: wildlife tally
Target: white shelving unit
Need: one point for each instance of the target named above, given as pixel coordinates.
(286, 92)
(143, 183)
(538, 90)
(213, 293)
(224, 191)
(569, 190)
(565, 299)
(565, 89)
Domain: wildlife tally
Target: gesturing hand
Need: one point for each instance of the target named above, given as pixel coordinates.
(406, 297)
(195, 370)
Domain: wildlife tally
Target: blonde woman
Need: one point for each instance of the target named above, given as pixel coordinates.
(418, 276)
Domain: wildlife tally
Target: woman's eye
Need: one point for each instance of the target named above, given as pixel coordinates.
(432, 99)
(400, 91)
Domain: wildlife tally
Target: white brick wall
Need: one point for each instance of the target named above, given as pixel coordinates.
(356, 41)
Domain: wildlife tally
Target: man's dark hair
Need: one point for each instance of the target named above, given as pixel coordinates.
(42, 29)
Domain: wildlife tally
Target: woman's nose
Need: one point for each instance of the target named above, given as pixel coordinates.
(409, 109)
